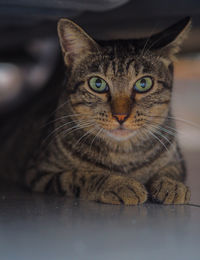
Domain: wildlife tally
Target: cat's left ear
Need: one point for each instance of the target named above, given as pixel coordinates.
(168, 42)
(75, 43)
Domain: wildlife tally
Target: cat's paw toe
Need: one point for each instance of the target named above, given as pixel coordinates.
(168, 191)
(124, 191)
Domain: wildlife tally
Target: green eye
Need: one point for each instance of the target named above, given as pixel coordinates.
(98, 85)
(143, 85)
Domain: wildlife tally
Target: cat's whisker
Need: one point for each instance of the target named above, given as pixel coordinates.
(189, 122)
(168, 127)
(68, 116)
(64, 125)
(84, 135)
(175, 132)
(77, 122)
(93, 132)
(58, 107)
(145, 132)
(98, 133)
(69, 131)
(147, 136)
(179, 132)
(61, 105)
(56, 129)
(159, 133)
(185, 121)
(153, 124)
(139, 135)
(157, 128)
(75, 128)
(157, 138)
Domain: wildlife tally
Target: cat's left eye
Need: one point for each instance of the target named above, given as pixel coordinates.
(143, 85)
(98, 84)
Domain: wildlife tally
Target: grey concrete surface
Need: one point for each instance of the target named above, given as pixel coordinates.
(38, 226)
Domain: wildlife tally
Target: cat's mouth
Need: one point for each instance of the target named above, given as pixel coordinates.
(121, 133)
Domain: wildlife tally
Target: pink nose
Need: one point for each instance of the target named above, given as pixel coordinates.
(120, 117)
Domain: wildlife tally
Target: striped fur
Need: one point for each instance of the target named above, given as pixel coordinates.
(76, 154)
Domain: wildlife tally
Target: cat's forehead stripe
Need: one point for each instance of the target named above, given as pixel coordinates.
(106, 65)
(108, 68)
(129, 63)
(114, 63)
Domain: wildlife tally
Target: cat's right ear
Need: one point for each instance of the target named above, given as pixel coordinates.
(75, 43)
(167, 43)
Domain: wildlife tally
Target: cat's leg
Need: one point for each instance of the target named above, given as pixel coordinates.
(167, 186)
(111, 189)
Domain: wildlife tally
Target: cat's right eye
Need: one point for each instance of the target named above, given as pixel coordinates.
(144, 84)
(98, 84)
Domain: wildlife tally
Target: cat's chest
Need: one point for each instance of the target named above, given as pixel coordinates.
(139, 164)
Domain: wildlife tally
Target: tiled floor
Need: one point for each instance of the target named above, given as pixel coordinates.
(35, 226)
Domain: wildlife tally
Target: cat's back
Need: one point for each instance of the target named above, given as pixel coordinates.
(21, 132)
(18, 136)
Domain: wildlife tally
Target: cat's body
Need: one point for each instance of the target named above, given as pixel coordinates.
(108, 134)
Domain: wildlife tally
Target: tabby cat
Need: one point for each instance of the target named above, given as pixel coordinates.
(111, 137)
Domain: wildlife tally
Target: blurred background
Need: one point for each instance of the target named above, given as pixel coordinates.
(30, 54)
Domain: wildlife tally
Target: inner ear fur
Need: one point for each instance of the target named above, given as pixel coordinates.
(168, 42)
(75, 42)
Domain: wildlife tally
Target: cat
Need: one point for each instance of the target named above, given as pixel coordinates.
(107, 134)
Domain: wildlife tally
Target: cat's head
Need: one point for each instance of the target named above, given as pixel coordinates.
(119, 87)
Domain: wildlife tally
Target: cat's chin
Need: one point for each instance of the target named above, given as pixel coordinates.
(120, 134)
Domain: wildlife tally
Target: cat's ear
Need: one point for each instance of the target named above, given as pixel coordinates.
(168, 42)
(75, 43)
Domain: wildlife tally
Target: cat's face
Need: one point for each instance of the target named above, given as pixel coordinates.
(120, 92)
(118, 87)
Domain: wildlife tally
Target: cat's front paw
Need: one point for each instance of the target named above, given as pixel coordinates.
(123, 190)
(168, 191)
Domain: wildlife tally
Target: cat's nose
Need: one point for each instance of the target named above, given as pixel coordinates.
(120, 117)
